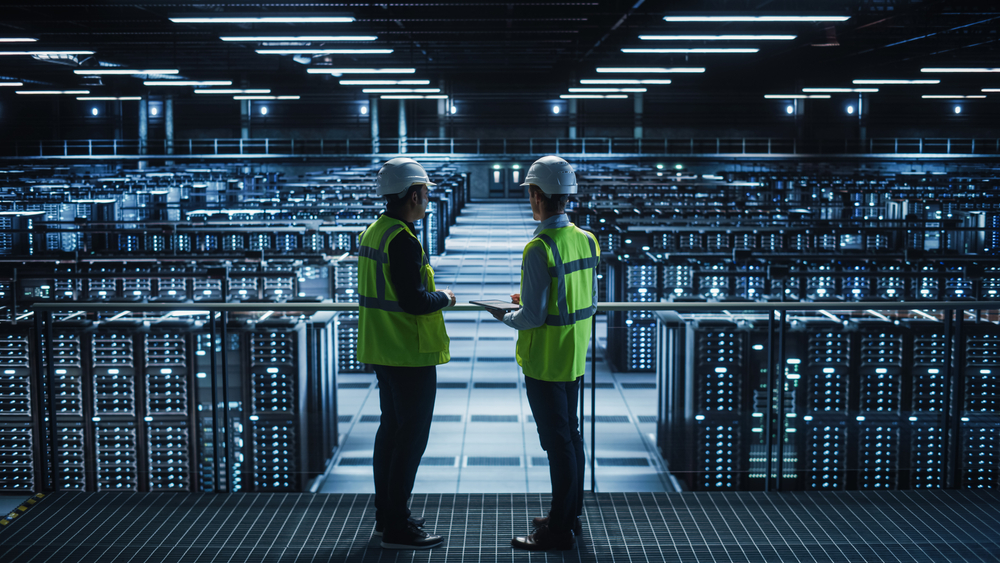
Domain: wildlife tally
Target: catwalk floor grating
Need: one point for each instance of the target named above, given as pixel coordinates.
(864, 527)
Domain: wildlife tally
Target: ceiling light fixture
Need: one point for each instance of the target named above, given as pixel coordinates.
(233, 91)
(695, 50)
(990, 90)
(266, 97)
(659, 70)
(897, 81)
(960, 70)
(401, 90)
(624, 81)
(11, 84)
(384, 82)
(717, 37)
(951, 97)
(44, 53)
(53, 92)
(756, 18)
(125, 71)
(109, 98)
(593, 90)
(841, 90)
(361, 70)
(17, 39)
(324, 51)
(414, 97)
(797, 96)
(188, 83)
(302, 38)
(591, 96)
(264, 19)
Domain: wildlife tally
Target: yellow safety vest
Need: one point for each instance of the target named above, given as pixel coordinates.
(557, 350)
(387, 336)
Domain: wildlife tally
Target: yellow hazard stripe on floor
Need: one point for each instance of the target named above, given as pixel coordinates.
(21, 509)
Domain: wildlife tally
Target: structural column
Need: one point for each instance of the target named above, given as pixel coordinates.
(442, 113)
(168, 126)
(143, 128)
(637, 133)
(572, 118)
(373, 118)
(244, 119)
(862, 117)
(402, 126)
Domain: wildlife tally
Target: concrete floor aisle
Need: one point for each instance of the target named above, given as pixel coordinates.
(483, 439)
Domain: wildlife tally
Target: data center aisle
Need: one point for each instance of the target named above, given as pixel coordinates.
(483, 439)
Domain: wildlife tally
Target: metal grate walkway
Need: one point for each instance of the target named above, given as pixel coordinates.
(862, 527)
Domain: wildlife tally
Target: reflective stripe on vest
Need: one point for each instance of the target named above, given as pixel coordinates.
(558, 272)
(381, 259)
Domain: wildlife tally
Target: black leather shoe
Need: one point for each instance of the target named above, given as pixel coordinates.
(544, 540)
(542, 521)
(416, 521)
(410, 538)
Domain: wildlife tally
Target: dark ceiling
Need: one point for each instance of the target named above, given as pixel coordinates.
(513, 49)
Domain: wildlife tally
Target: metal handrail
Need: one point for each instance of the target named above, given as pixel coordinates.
(595, 146)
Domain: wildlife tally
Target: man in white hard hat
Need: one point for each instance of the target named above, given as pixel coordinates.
(401, 333)
(558, 298)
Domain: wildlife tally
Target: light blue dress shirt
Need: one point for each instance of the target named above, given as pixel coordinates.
(535, 280)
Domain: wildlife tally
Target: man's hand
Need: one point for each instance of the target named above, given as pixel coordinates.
(450, 295)
(497, 314)
(515, 298)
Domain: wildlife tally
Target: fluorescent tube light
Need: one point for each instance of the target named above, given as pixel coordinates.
(591, 96)
(414, 97)
(53, 92)
(17, 39)
(990, 90)
(361, 70)
(11, 84)
(756, 18)
(624, 81)
(401, 90)
(960, 70)
(265, 19)
(45, 53)
(303, 38)
(651, 69)
(897, 81)
(324, 51)
(717, 37)
(233, 91)
(797, 96)
(594, 90)
(125, 71)
(951, 97)
(696, 50)
(384, 82)
(109, 98)
(266, 97)
(188, 82)
(840, 90)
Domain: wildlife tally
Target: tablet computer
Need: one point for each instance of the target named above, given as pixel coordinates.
(497, 304)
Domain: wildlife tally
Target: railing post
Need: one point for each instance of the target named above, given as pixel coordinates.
(190, 147)
(241, 146)
(41, 151)
(895, 145)
(321, 146)
(293, 145)
(90, 147)
(973, 146)
(425, 145)
(477, 146)
(216, 143)
(65, 147)
(505, 145)
(920, 145)
(584, 145)
(610, 150)
(267, 148)
(718, 146)
(768, 145)
(452, 145)
(531, 145)
(948, 145)
(557, 145)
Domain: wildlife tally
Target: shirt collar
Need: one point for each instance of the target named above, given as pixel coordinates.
(554, 222)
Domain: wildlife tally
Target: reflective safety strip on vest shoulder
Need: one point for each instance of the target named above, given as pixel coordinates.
(559, 271)
(381, 258)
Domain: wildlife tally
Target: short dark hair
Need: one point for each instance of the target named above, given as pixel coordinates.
(555, 203)
(393, 202)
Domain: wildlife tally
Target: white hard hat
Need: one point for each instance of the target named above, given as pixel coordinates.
(397, 175)
(552, 175)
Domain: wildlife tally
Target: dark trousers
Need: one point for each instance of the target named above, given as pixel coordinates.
(554, 406)
(406, 395)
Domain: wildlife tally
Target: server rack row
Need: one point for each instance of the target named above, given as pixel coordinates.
(860, 404)
(133, 404)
